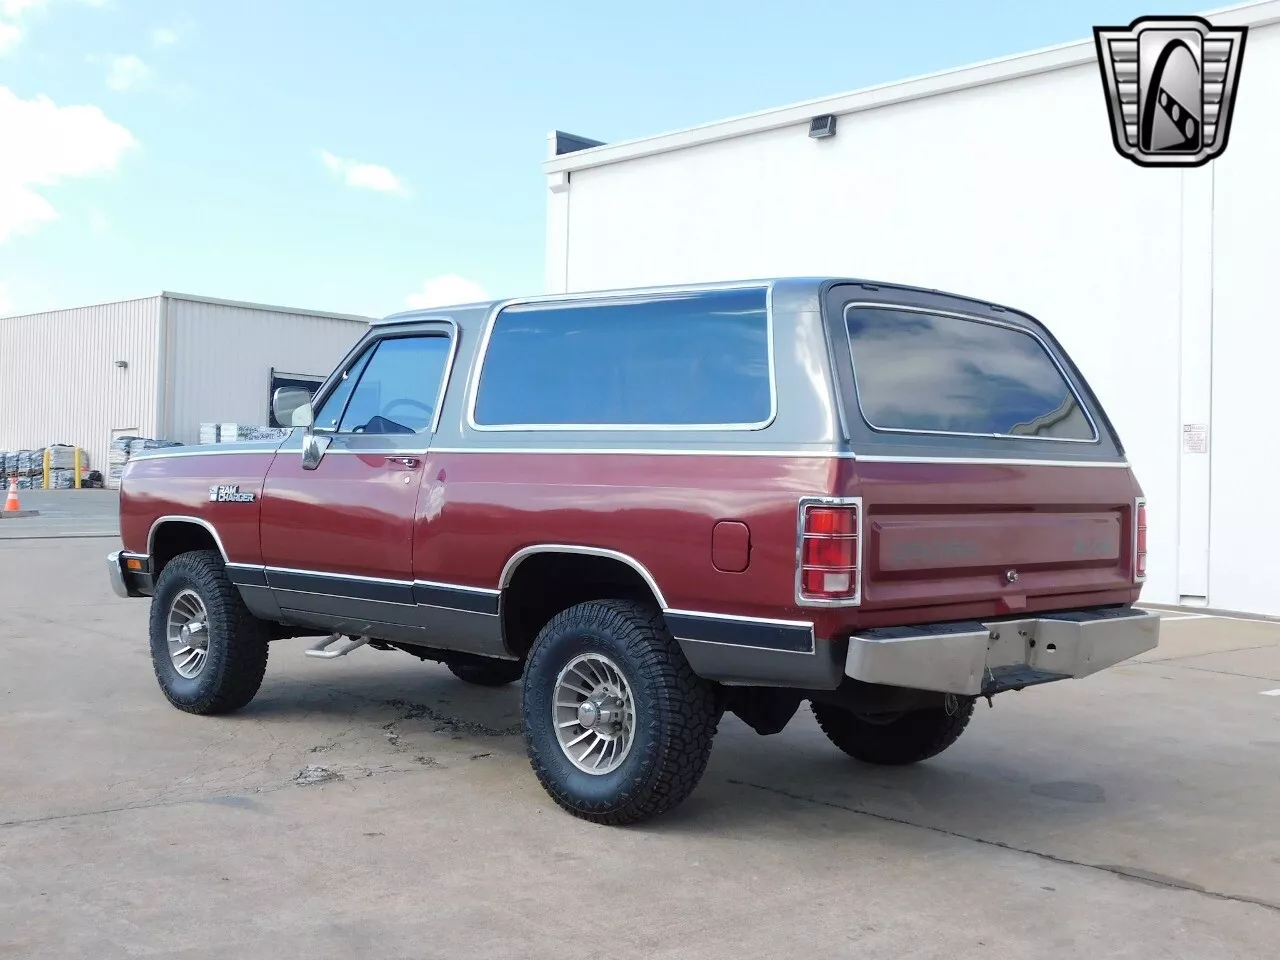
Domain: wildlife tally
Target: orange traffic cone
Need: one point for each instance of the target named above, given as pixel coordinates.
(12, 505)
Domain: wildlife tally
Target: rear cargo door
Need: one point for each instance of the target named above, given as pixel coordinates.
(987, 470)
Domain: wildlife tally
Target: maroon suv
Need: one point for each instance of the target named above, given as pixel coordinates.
(657, 505)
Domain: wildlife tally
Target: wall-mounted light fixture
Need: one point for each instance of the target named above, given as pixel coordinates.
(122, 364)
(822, 127)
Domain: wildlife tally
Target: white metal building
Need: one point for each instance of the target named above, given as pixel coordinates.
(1000, 181)
(156, 367)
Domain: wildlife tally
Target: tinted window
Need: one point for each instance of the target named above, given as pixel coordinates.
(330, 413)
(397, 391)
(922, 371)
(678, 360)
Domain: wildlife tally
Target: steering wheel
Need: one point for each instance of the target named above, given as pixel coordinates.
(427, 410)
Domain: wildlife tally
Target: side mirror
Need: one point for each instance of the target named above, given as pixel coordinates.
(292, 405)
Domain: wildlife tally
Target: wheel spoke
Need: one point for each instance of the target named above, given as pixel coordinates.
(596, 748)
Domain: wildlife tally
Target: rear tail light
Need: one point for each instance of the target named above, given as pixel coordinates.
(829, 551)
(1140, 541)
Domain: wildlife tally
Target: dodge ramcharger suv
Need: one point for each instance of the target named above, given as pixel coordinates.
(655, 506)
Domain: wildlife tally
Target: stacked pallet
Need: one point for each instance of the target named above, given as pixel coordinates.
(123, 449)
(239, 432)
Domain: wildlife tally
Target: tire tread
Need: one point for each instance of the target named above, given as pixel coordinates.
(685, 726)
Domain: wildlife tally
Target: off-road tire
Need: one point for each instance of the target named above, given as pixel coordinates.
(237, 641)
(487, 673)
(676, 713)
(914, 736)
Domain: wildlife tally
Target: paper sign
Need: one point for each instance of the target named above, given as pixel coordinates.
(1195, 438)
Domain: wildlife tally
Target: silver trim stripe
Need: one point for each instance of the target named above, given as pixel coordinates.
(661, 452)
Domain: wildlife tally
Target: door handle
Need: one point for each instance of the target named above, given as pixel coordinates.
(404, 461)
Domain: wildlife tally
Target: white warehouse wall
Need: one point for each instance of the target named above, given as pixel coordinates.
(59, 382)
(220, 357)
(1244, 445)
(1011, 191)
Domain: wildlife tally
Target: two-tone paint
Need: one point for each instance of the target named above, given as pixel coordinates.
(418, 538)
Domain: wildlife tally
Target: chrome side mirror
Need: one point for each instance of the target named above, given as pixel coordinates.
(314, 446)
(292, 405)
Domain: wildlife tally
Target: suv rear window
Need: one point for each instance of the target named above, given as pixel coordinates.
(925, 372)
(672, 361)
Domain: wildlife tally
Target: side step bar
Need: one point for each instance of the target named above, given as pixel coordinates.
(321, 647)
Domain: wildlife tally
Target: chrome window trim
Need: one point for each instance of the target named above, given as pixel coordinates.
(477, 369)
(509, 568)
(179, 518)
(955, 315)
(856, 599)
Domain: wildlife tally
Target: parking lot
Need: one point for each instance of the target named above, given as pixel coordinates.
(375, 806)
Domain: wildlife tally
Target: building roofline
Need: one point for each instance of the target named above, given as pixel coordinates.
(1044, 60)
(193, 298)
(273, 308)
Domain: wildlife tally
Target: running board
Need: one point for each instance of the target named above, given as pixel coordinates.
(321, 648)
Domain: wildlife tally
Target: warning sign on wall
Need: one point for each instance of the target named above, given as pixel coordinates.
(1195, 438)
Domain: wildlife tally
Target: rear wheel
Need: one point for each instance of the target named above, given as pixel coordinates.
(487, 673)
(895, 739)
(617, 725)
(209, 653)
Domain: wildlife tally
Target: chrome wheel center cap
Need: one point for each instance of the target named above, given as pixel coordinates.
(588, 714)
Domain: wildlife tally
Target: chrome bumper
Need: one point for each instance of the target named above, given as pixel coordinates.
(977, 658)
(115, 571)
(125, 584)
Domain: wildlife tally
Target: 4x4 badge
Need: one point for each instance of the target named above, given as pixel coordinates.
(1171, 86)
(228, 493)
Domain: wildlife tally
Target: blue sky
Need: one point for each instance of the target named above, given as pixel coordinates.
(343, 156)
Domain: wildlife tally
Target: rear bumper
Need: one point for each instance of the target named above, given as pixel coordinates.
(128, 583)
(980, 658)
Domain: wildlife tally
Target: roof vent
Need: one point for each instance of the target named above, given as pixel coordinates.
(822, 127)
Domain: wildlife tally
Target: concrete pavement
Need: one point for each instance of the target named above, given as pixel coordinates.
(377, 806)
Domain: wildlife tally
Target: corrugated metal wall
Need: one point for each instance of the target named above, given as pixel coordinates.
(221, 356)
(59, 382)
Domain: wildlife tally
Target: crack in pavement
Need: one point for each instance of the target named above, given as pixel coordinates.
(444, 722)
(1128, 873)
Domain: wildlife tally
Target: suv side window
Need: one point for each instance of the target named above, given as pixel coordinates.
(330, 412)
(399, 387)
(392, 388)
(678, 360)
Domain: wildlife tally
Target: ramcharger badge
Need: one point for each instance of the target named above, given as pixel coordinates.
(228, 493)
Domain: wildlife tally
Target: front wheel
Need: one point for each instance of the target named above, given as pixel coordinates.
(617, 725)
(209, 653)
(895, 740)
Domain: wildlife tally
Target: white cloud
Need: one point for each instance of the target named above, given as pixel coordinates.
(10, 36)
(11, 32)
(127, 72)
(448, 290)
(45, 145)
(6, 301)
(363, 176)
(13, 9)
(164, 36)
